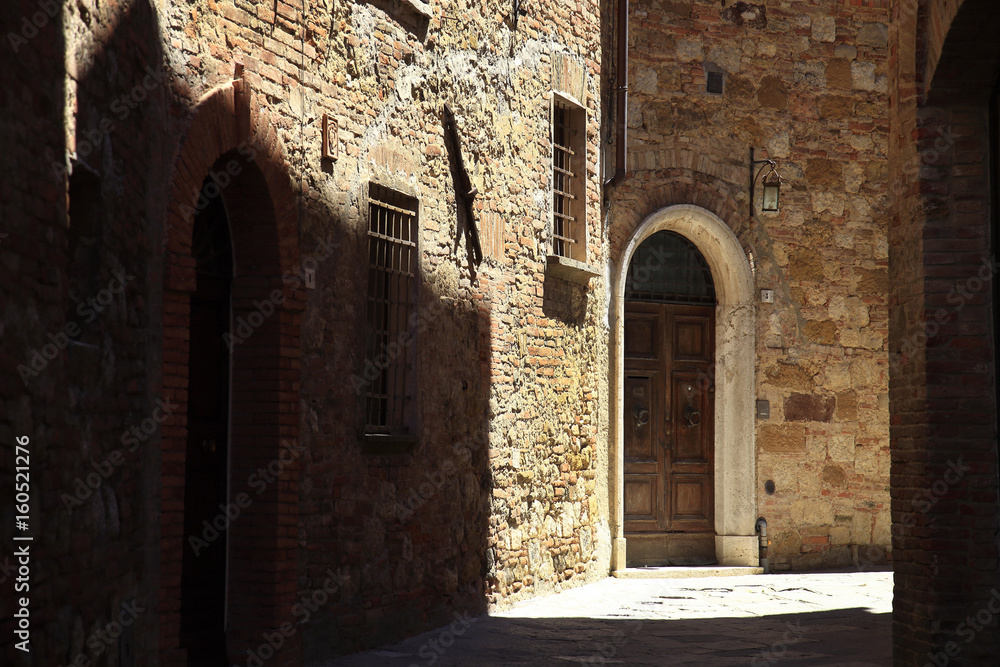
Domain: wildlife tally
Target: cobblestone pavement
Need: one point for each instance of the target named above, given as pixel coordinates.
(775, 619)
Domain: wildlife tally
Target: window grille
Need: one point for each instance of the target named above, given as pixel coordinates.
(391, 300)
(568, 173)
(668, 268)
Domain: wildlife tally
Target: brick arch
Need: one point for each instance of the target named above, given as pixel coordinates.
(932, 20)
(231, 138)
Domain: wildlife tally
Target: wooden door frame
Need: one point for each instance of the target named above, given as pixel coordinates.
(735, 356)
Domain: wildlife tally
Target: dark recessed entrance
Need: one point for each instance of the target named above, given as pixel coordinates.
(203, 578)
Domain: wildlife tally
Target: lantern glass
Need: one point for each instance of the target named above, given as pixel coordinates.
(771, 192)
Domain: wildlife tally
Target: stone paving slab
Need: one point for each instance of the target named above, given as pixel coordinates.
(791, 620)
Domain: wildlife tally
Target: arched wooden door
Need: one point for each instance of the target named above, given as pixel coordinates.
(669, 405)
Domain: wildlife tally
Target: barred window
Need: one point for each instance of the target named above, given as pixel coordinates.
(569, 237)
(391, 301)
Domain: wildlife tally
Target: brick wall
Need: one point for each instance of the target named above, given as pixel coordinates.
(80, 276)
(944, 473)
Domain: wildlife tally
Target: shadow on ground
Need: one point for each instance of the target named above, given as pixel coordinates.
(841, 637)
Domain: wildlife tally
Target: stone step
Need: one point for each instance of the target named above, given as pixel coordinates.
(685, 572)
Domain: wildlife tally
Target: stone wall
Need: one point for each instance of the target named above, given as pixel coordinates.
(805, 84)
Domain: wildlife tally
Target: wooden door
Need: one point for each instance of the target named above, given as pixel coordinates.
(669, 433)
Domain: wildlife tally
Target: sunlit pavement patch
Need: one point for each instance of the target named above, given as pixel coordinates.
(791, 620)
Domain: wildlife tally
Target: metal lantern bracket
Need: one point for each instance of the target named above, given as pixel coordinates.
(767, 181)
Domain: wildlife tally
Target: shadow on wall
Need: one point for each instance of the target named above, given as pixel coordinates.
(405, 533)
(82, 395)
(115, 182)
(32, 211)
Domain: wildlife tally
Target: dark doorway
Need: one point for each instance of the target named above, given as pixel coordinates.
(669, 405)
(203, 579)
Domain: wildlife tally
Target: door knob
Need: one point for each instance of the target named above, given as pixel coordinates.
(692, 415)
(641, 416)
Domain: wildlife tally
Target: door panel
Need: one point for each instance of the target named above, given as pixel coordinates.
(669, 420)
(643, 483)
(642, 335)
(693, 337)
(692, 406)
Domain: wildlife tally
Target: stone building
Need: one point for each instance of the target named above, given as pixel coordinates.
(325, 321)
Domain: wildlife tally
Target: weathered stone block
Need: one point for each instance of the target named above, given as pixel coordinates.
(836, 107)
(806, 407)
(847, 51)
(873, 281)
(840, 448)
(789, 376)
(824, 29)
(874, 34)
(773, 93)
(782, 438)
(805, 264)
(834, 476)
(825, 173)
(847, 406)
(812, 513)
(838, 73)
(786, 542)
(863, 75)
(821, 333)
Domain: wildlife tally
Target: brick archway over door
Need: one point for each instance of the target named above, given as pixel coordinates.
(230, 137)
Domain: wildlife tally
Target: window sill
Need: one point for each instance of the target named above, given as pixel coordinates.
(570, 269)
(383, 443)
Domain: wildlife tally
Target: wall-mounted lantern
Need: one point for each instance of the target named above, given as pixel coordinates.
(771, 185)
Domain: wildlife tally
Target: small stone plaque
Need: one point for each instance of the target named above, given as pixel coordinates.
(330, 137)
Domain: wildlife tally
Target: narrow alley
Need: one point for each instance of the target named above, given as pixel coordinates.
(835, 618)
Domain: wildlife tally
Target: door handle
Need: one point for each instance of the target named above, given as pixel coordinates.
(641, 416)
(692, 415)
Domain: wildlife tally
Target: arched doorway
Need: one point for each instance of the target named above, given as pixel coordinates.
(232, 279)
(204, 567)
(669, 354)
(716, 352)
